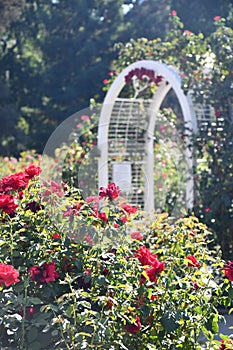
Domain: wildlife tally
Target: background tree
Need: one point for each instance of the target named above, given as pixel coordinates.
(56, 54)
(10, 11)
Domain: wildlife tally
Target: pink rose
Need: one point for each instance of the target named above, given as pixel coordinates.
(8, 275)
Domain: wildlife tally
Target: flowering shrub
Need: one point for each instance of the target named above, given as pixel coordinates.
(154, 285)
(205, 67)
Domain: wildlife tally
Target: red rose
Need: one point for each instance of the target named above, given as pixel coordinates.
(8, 275)
(7, 203)
(56, 236)
(128, 208)
(13, 182)
(145, 256)
(134, 328)
(43, 274)
(136, 235)
(192, 261)
(217, 18)
(101, 215)
(32, 171)
(228, 270)
(153, 271)
(112, 191)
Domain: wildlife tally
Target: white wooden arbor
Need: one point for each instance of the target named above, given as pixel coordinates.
(120, 119)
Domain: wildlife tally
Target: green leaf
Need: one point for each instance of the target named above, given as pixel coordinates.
(169, 322)
(32, 335)
(34, 301)
(230, 292)
(145, 310)
(101, 280)
(36, 346)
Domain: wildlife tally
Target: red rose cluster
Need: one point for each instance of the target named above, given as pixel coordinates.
(146, 257)
(225, 344)
(8, 275)
(142, 73)
(16, 182)
(112, 191)
(228, 270)
(43, 274)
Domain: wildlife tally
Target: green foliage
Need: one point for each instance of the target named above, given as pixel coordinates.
(205, 66)
(57, 57)
(102, 289)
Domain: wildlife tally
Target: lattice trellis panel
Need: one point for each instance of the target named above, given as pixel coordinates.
(126, 142)
(205, 114)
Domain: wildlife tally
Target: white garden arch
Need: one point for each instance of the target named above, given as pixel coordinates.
(170, 80)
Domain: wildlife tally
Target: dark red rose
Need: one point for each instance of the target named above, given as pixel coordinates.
(85, 280)
(28, 313)
(192, 261)
(7, 203)
(109, 303)
(195, 285)
(20, 195)
(225, 344)
(106, 271)
(32, 171)
(33, 206)
(8, 275)
(134, 328)
(112, 191)
(150, 318)
(145, 256)
(228, 270)
(43, 274)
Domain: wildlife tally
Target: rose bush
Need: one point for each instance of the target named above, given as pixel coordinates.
(154, 284)
(205, 67)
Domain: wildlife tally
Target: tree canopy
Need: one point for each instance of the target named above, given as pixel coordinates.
(55, 55)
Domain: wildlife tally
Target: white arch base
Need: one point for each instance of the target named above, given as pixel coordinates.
(171, 80)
